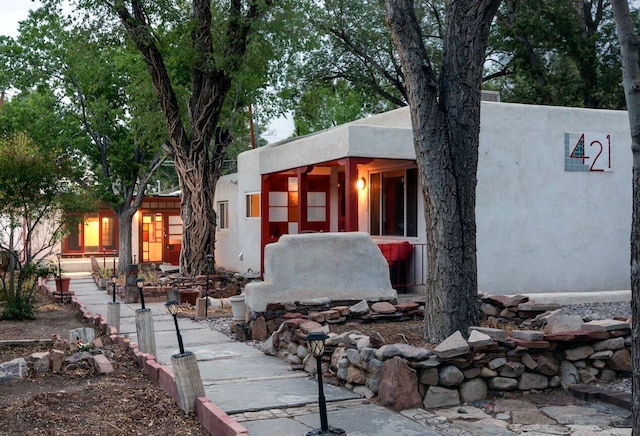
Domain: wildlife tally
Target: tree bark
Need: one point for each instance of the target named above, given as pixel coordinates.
(198, 152)
(445, 116)
(630, 57)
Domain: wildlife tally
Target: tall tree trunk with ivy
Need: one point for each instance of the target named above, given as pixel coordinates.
(445, 115)
(630, 56)
(197, 150)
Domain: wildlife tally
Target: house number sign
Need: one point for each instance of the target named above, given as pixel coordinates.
(587, 152)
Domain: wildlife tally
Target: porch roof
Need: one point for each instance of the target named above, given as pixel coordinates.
(348, 140)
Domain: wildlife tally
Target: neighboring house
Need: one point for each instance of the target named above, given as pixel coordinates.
(157, 233)
(553, 198)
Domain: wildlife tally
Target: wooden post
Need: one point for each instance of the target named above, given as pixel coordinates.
(131, 287)
(144, 329)
(113, 315)
(188, 381)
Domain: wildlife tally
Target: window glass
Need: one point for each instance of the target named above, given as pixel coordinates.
(223, 215)
(393, 203)
(253, 205)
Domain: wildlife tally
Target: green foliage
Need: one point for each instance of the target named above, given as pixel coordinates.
(19, 308)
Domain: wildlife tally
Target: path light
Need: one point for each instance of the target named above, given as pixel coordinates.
(140, 283)
(206, 296)
(316, 343)
(59, 255)
(113, 283)
(115, 253)
(172, 308)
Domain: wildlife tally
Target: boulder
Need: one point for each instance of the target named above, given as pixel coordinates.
(398, 388)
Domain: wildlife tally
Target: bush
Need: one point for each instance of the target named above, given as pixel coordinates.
(19, 308)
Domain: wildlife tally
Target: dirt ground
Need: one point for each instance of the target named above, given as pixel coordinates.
(81, 402)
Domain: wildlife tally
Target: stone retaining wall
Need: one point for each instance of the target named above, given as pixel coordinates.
(463, 368)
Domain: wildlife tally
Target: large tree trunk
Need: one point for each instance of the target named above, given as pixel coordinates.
(445, 116)
(630, 57)
(125, 226)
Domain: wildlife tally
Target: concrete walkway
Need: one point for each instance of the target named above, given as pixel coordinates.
(260, 392)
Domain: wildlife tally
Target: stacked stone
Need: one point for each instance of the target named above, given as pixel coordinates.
(324, 310)
(463, 370)
(513, 309)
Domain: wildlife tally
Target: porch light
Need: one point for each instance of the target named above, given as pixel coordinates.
(361, 184)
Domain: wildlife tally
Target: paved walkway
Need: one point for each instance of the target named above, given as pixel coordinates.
(259, 391)
(265, 396)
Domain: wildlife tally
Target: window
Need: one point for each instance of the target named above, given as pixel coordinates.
(253, 205)
(223, 215)
(393, 203)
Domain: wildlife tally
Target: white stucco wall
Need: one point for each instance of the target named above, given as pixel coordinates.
(539, 228)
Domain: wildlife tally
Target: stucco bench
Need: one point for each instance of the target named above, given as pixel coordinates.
(338, 266)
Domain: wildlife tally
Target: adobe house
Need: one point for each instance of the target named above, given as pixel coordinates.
(553, 197)
(157, 235)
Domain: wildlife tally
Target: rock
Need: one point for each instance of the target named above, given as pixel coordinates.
(547, 365)
(479, 339)
(356, 375)
(441, 397)
(373, 379)
(317, 317)
(527, 335)
(463, 413)
(529, 380)
(259, 329)
(102, 364)
(620, 360)
(506, 313)
(606, 325)
(407, 307)
(429, 376)
(398, 388)
(330, 314)
(554, 381)
(361, 308)
(528, 361)
(450, 375)
(586, 377)
(489, 309)
(301, 351)
(57, 359)
(578, 353)
(609, 344)
(471, 373)
(568, 373)
(607, 376)
(502, 383)
(312, 326)
(364, 392)
(13, 370)
(487, 373)
(473, 390)
(86, 334)
(511, 369)
(409, 352)
(454, 345)
(383, 307)
(40, 362)
(497, 362)
(602, 355)
(498, 335)
(293, 359)
(558, 323)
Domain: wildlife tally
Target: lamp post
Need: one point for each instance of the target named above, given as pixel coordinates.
(59, 255)
(113, 308)
(316, 343)
(140, 284)
(172, 308)
(206, 301)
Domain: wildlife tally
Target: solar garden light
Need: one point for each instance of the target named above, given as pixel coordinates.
(140, 284)
(206, 296)
(185, 369)
(144, 325)
(113, 308)
(59, 255)
(316, 343)
(172, 308)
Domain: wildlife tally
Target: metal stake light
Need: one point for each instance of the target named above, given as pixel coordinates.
(140, 284)
(172, 308)
(316, 343)
(113, 283)
(59, 255)
(206, 296)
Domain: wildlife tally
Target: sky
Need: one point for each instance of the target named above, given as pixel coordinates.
(14, 11)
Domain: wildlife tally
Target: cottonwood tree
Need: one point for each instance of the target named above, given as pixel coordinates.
(630, 56)
(220, 56)
(112, 121)
(445, 117)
